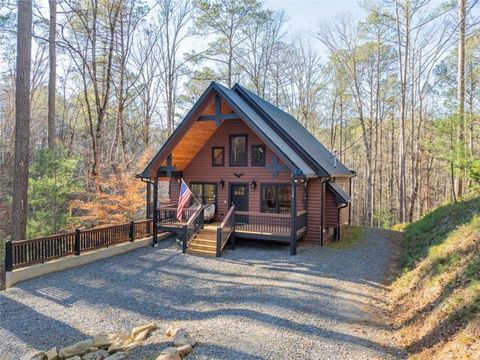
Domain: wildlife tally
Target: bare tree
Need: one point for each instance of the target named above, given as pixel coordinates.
(52, 52)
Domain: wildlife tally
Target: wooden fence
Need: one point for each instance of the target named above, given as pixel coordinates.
(24, 253)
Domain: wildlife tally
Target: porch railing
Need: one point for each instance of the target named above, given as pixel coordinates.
(301, 222)
(265, 223)
(225, 230)
(192, 227)
(22, 253)
(168, 215)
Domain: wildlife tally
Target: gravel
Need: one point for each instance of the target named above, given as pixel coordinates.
(256, 302)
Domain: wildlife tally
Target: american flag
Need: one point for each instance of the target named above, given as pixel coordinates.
(183, 199)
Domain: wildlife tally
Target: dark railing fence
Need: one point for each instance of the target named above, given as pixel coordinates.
(263, 222)
(24, 253)
(225, 230)
(168, 215)
(192, 227)
(301, 221)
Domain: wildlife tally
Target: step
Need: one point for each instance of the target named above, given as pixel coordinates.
(207, 236)
(201, 240)
(208, 231)
(201, 252)
(195, 246)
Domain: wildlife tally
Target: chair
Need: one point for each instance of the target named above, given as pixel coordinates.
(209, 212)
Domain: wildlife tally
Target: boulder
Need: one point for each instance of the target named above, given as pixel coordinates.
(79, 348)
(105, 340)
(170, 353)
(183, 338)
(184, 350)
(142, 330)
(96, 355)
(76, 357)
(51, 354)
(118, 345)
(34, 354)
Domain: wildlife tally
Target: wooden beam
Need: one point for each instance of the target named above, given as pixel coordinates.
(229, 116)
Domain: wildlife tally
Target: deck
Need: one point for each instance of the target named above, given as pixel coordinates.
(261, 226)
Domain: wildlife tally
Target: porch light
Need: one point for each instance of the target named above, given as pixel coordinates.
(254, 184)
(222, 183)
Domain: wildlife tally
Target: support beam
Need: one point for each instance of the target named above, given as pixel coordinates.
(167, 169)
(218, 110)
(155, 212)
(149, 200)
(275, 167)
(229, 116)
(293, 220)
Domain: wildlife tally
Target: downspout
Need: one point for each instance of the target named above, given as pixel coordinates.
(322, 196)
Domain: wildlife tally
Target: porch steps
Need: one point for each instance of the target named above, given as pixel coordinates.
(205, 243)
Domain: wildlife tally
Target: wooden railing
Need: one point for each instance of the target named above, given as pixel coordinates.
(225, 230)
(24, 253)
(168, 215)
(264, 223)
(192, 227)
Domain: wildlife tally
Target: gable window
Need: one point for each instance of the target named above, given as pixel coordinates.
(218, 156)
(258, 155)
(238, 150)
(276, 199)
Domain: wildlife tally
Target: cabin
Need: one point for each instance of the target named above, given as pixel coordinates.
(256, 172)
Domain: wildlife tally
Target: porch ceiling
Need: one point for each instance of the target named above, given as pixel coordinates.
(196, 136)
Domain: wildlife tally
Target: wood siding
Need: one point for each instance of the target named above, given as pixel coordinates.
(200, 169)
(314, 210)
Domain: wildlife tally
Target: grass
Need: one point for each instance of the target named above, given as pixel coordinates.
(350, 237)
(437, 296)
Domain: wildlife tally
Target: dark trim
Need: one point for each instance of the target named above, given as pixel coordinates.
(229, 116)
(223, 156)
(262, 186)
(155, 212)
(245, 235)
(293, 218)
(262, 164)
(174, 174)
(230, 193)
(230, 150)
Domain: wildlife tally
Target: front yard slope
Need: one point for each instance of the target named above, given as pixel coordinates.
(437, 296)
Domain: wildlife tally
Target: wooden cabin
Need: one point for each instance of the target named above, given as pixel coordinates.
(266, 175)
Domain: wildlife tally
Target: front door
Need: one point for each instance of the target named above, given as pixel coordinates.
(239, 196)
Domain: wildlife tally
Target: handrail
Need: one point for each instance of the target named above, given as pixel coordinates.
(276, 215)
(225, 230)
(192, 227)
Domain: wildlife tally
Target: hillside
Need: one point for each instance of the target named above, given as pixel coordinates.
(437, 295)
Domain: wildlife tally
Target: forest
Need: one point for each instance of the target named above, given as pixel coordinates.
(100, 85)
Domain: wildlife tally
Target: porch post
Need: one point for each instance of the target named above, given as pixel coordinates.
(155, 212)
(149, 199)
(293, 220)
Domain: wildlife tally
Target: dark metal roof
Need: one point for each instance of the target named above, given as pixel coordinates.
(341, 197)
(305, 143)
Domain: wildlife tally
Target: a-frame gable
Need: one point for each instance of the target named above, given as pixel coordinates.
(219, 104)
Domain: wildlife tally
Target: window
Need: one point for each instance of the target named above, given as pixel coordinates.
(258, 155)
(205, 192)
(238, 150)
(276, 199)
(218, 156)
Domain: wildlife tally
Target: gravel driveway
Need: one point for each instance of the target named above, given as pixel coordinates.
(256, 302)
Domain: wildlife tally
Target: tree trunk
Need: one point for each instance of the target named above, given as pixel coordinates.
(22, 126)
(461, 93)
(52, 72)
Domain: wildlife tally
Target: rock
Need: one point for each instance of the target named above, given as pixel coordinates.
(183, 338)
(117, 356)
(184, 350)
(172, 331)
(96, 355)
(52, 354)
(170, 353)
(144, 330)
(79, 348)
(105, 340)
(76, 357)
(118, 345)
(34, 354)
(141, 335)
(133, 345)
